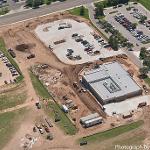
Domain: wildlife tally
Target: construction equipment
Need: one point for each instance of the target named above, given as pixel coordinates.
(31, 56)
(83, 143)
(45, 127)
(48, 122)
(142, 104)
(50, 136)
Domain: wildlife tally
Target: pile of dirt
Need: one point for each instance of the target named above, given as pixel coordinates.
(24, 47)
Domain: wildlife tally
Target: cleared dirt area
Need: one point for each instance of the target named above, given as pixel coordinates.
(59, 82)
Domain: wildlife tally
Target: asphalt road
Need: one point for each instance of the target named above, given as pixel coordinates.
(20, 16)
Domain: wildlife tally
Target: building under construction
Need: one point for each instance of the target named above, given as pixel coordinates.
(110, 83)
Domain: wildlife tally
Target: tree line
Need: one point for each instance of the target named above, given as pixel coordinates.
(37, 3)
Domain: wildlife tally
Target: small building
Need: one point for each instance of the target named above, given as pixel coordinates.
(89, 117)
(91, 120)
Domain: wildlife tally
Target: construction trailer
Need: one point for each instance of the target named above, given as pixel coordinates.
(91, 120)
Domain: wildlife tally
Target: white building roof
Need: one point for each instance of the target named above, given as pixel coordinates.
(89, 117)
(110, 80)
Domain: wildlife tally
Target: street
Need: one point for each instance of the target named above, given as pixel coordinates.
(20, 16)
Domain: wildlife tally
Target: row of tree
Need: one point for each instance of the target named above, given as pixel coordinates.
(99, 10)
(145, 56)
(116, 2)
(37, 3)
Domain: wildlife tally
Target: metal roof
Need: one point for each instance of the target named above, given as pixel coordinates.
(93, 120)
(89, 117)
(110, 80)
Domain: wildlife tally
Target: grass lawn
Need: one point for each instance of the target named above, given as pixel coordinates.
(39, 87)
(9, 122)
(65, 122)
(9, 100)
(53, 107)
(76, 12)
(4, 10)
(145, 3)
(112, 132)
(3, 49)
(147, 80)
(131, 138)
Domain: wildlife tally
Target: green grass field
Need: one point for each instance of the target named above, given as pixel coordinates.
(53, 107)
(12, 99)
(145, 3)
(112, 133)
(65, 122)
(9, 122)
(135, 137)
(12, 61)
(4, 10)
(76, 12)
(147, 80)
(39, 87)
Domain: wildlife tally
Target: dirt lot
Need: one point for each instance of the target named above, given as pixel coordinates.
(22, 34)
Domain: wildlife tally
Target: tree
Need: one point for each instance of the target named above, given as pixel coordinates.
(143, 53)
(113, 2)
(143, 71)
(29, 3)
(113, 42)
(82, 11)
(99, 10)
(142, 19)
(48, 2)
(134, 25)
(146, 61)
(36, 3)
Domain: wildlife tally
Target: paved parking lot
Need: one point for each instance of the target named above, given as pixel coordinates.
(7, 72)
(129, 15)
(77, 43)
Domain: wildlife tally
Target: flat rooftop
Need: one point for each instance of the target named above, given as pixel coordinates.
(48, 33)
(110, 81)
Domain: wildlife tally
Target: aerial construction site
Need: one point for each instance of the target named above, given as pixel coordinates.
(67, 84)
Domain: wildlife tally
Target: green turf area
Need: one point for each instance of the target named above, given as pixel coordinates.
(112, 133)
(9, 100)
(135, 137)
(53, 107)
(9, 122)
(147, 80)
(39, 87)
(77, 12)
(145, 3)
(4, 10)
(64, 122)
(3, 49)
